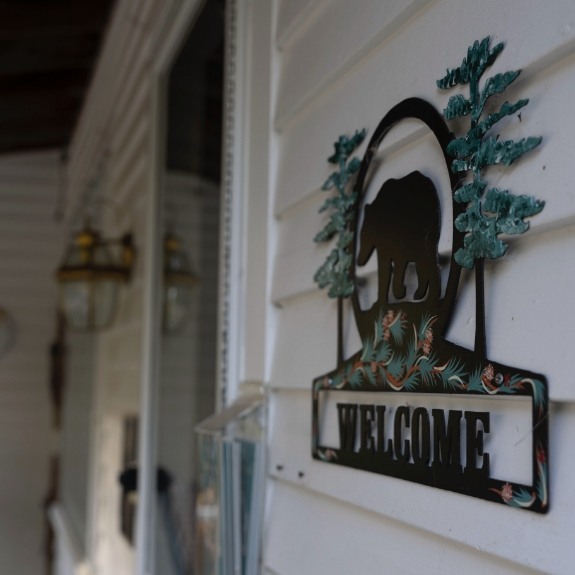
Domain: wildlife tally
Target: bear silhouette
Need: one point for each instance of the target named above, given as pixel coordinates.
(403, 225)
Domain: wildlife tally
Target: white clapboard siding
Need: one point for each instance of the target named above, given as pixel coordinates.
(345, 539)
(292, 16)
(486, 526)
(369, 89)
(29, 255)
(340, 67)
(353, 30)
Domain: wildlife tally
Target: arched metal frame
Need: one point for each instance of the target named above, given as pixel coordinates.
(417, 109)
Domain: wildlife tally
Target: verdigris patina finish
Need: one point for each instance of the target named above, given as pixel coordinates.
(490, 211)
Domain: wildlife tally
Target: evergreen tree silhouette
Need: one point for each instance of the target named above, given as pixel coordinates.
(490, 211)
(335, 271)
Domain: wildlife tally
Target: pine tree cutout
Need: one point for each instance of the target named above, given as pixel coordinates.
(490, 211)
(335, 270)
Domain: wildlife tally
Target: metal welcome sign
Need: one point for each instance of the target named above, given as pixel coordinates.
(411, 404)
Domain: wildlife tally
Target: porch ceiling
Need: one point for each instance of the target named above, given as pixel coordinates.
(47, 53)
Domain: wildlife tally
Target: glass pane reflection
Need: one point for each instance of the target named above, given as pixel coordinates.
(188, 343)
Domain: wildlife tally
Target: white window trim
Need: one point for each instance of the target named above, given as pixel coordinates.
(231, 250)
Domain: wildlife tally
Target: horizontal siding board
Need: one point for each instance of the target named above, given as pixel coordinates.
(354, 30)
(359, 542)
(31, 162)
(135, 64)
(16, 231)
(493, 530)
(293, 15)
(131, 187)
(21, 247)
(140, 106)
(32, 173)
(131, 150)
(19, 426)
(365, 94)
(130, 155)
(316, 317)
(20, 256)
(40, 199)
(11, 282)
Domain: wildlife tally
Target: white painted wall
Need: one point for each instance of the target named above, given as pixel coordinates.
(340, 66)
(29, 256)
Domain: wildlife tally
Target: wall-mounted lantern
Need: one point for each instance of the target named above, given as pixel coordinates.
(179, 281)
(90, 277)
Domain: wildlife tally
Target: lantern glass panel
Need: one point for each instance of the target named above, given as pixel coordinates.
(89, 298)
(75, 297)
(104, 302)
(177, 261)
(178, 302)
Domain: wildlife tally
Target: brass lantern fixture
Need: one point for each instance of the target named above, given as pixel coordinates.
(90, 278)
(179, 281)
